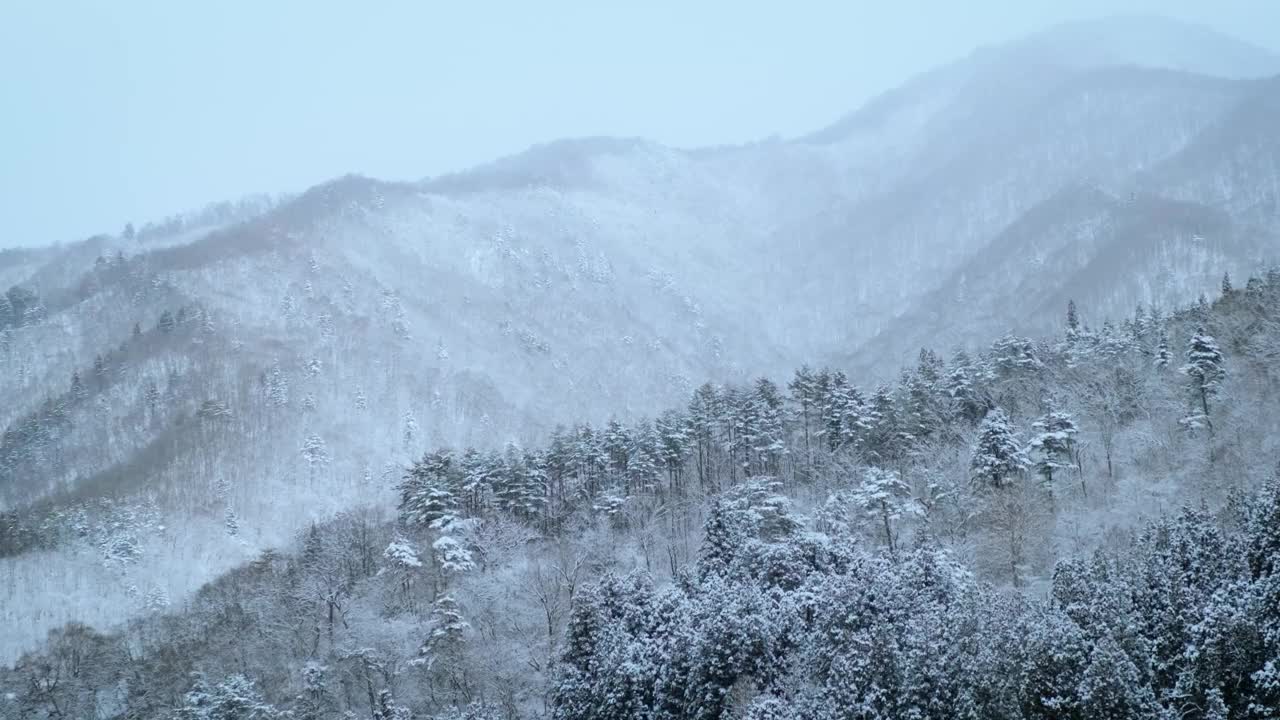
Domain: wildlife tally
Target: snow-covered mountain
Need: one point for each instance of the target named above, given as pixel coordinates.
(277, 362)
(1156, 236)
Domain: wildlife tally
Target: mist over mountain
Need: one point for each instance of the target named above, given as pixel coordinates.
(177, 398)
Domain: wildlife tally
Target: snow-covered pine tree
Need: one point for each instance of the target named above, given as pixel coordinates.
(478, 471)
(315, 453)
(1215, 707)
(803, 393)
(100, 370)
(513, 482)
(672, 428)
(151, 396)
(1141, 326)
(766, 440)
(234, 698)
(738, 429)
(1263, 532)
(156, 599)
(965, 401)
(536, 485)
(388, 709)
(404, 566)
(704, 412)
(769, 707)
(587, 457)
(833, 399)
(885, 438)
(1162, 356)
(1204, 369)
(410, 435)
(617, 446)
(997, 456)
(930, 369)
(452, 556)
(920, 419)
(1012, 355)
(277, 386)
(723, 535)
(1263, 554)
(884, 496)
(314, 701)
(1112, 342)
(642, 468)
(1054, 445)
(427, 498)
(855, 426)
(1201, 308)
(401, 555)
(1112, 688)
(446, 635)
(78, 390)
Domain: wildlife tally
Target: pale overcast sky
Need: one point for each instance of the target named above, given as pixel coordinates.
(127, 110)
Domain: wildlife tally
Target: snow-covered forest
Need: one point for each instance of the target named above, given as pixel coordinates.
(964, 406)
(1084, 525)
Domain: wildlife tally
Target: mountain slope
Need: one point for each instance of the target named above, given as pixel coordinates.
(290, 357)
(1164, 233)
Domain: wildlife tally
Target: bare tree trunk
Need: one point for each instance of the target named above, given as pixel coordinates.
(888, 531)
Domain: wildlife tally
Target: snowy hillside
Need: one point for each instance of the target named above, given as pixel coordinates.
(175, 400)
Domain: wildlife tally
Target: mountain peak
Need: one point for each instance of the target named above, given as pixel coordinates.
(1046, 56)
(1144, 40)
(560, 163)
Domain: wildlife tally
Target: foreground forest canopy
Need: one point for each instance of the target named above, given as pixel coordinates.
(1082, 526)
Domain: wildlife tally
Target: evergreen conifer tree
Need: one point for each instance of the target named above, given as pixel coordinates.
(1204, 369)
(997, 457)
(1054, 444)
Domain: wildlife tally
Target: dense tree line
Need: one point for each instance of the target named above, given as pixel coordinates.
(1182, 621)
(1040, 417)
